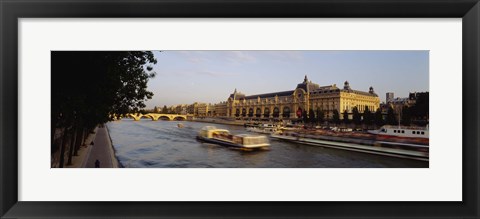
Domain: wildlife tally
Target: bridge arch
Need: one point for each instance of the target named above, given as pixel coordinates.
(164, 117)
(179, 118)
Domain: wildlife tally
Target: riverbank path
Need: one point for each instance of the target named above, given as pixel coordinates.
(101, 150)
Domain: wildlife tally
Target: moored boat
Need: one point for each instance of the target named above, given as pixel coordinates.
(394, 149)
(417, 135)
(223, 137)
(263, 129)
(401, 131)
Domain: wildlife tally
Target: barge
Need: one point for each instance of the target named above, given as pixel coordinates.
(211, 134)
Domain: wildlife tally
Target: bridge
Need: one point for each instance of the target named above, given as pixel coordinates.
(152, 116)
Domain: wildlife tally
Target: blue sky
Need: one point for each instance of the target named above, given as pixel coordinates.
(184, 77)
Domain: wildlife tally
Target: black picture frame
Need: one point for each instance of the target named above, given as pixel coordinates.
(12, 10)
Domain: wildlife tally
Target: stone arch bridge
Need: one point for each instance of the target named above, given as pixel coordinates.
(152, 116)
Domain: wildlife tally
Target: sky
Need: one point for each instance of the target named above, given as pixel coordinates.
(185, 77)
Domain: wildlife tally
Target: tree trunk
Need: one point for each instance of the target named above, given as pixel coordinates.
(54, 129)
(72, 144)
(62, 149)
(79, 141)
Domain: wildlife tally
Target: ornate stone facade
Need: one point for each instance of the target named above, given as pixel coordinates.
(221, 109)
(292, 104)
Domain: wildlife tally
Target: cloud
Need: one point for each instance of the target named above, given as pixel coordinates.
(240, 56)
(194, 56)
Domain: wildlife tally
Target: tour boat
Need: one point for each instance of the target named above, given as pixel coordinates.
(418, 150)
(402, 132)
(263, 129)
(213, 135)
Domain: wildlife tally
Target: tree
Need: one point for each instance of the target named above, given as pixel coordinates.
(378, 117)
(311, 116)
(367, 116)
(155, 109)
(320, 116)
(406, 116)
(89, 88)
(345, 117)
(391, 120)
(164, 109)
(357, 118)
(336, 117)
(420, 111)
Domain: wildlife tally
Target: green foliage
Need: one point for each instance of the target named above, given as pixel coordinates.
(164, 109)
(89, 88)
(378, 118)
(346, 120)
(357, 118)
(311, 116)
(336, 117)
(391, 118)
(420, 111)
(406, 117)
(367, 116)
(321, 116)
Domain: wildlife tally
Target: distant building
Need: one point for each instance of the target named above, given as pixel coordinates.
(202, 110)
(220, 109)
(181, 109)
(398, 103)
(293, 104)
(418, 102)
(192, 108)
(389, 97)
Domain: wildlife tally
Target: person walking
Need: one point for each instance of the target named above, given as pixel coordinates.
(97, 164)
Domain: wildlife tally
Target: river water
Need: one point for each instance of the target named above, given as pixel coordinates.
(161, 144)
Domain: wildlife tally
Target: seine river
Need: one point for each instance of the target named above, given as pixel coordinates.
(161, 144)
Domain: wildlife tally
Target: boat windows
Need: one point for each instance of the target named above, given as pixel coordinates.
(403, 131)
(413, 132)
(423, 133)
(394, 131)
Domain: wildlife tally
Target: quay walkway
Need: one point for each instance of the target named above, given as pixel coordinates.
(101, 150)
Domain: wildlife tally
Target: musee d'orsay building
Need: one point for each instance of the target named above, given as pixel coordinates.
(293, 103)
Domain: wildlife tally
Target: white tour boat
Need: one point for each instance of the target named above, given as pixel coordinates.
(401, 131)
(213, 135)
(263, 129)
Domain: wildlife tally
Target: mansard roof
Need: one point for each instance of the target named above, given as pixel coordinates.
(308, 86)
(279, 94)
(360, 92)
